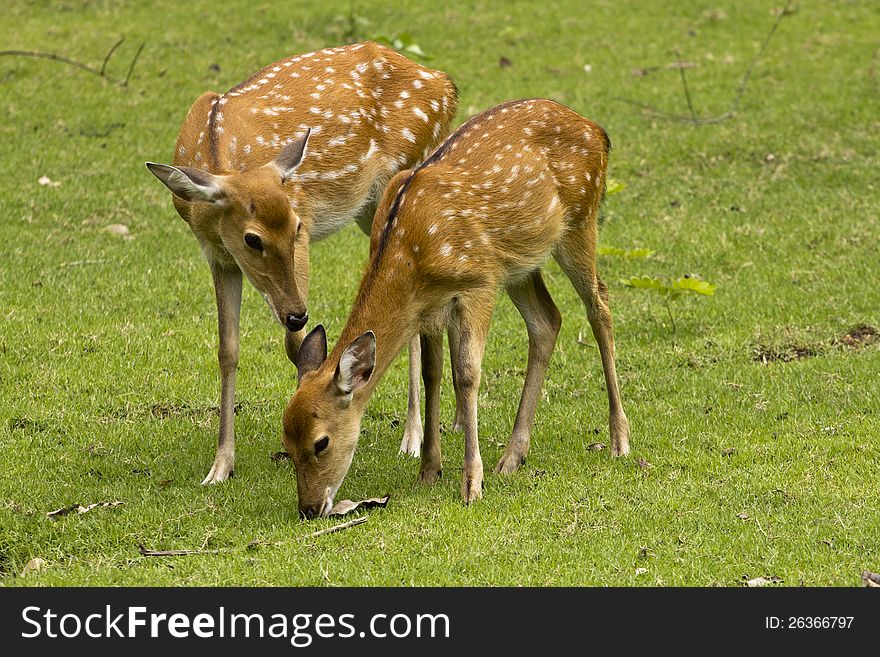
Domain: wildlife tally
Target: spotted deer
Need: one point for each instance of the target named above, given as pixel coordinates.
(301, 149)
(512, 186)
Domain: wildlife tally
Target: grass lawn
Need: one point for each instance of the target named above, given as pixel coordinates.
(755, 424)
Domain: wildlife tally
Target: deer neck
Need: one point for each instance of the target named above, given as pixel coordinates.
(387, 305)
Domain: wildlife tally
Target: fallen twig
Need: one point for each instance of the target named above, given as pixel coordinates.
(640, 72)
(687, 95)
(693, 119)
(77, 263)
(339, 527)
(100, 72)
(253, 545)
(80, 509)
(172, 553)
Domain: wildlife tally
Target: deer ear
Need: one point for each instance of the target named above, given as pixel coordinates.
(312, 352)
(291, 156)
(356, 364)
(188, 183)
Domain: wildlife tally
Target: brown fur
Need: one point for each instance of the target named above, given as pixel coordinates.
(371, 112)
(510, 188)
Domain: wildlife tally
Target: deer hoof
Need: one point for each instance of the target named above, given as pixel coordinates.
(430, 475)
(220, 472)
(509, 463)
(412, 442)
(472, 486)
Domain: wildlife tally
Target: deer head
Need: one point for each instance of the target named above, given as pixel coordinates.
(255, 222)
(322, 421)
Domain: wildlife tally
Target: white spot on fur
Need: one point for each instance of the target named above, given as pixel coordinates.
(408, 135)
(445, 250)
(373, 149)
(420, 113)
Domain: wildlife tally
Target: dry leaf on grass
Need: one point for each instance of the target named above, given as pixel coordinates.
(33, 566)
(119, 229)
(761, 581)
(344, 507)
(279, 456)
(80, 509)
(871, 580)
(46, 181)
(742, 515)
(596, 447)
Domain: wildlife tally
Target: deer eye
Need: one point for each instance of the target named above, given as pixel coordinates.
(253, 240)
(321, 444)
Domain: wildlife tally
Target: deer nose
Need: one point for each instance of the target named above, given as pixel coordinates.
(309, 512)
(296, 322)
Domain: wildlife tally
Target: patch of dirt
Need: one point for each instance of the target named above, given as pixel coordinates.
(860, 335)
(785, 353)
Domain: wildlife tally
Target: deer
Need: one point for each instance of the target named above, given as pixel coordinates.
(511, 187)
(301, 149)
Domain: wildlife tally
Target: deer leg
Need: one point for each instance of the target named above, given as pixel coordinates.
(474, 317)
(454, 340)
(412, 432)
(543, 321)
(432, 374)
(577, 257)
(227, 287)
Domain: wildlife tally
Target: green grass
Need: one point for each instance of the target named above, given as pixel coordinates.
(108, 373)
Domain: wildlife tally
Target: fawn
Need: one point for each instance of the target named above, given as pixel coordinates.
(301, 149)
(510, 187)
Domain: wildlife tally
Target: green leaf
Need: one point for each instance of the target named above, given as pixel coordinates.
(401, 43)
(646, 283)
(613, 187)
(416, 50)
(692, 284)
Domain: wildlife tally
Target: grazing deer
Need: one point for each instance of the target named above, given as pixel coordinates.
(512, 186)
(299, 150)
